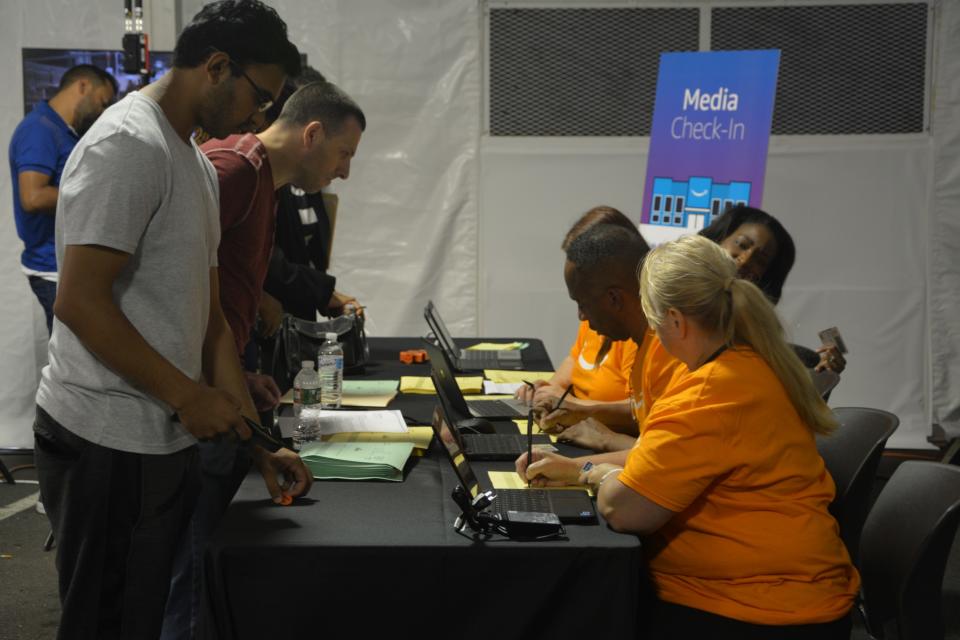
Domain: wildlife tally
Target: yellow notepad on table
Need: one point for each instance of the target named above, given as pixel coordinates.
(419, 437)
(424, 385)
(512, 480)
(522, 426)
(498, 346)
(356, 460)
(499, 375)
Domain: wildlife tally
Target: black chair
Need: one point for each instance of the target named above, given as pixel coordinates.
(903, 553)
(852, 455)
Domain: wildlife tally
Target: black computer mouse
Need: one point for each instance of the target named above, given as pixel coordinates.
(475, 425)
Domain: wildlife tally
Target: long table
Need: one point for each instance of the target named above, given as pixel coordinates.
(383, 560)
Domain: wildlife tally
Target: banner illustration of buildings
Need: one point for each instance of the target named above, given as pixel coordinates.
(708, 142)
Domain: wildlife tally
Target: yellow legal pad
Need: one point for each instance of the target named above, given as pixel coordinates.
(522, 426)
(498, 346)
(498, 375)
(419, 436)
(512, 480)
(424, 385)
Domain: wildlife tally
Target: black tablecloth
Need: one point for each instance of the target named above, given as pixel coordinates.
(382, 559)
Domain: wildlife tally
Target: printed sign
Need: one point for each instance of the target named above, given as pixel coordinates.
(708, 143)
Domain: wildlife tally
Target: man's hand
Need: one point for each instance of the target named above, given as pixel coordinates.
(340, 300)
(589, 434)
(270, 312)
(557, 420)
(297, 478)
(208, 412)
(264, 391)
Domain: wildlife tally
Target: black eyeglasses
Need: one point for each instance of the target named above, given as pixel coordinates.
(264, 97)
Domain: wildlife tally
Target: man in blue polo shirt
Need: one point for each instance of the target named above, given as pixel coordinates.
(38, 151)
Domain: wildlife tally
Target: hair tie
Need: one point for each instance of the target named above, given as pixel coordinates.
(728, 283)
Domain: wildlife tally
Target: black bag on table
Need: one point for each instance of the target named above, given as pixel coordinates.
(299, 340)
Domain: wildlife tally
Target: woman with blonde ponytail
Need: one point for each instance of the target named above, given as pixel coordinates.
(726, 480)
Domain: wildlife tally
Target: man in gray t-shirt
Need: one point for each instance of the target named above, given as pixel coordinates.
(142, 362)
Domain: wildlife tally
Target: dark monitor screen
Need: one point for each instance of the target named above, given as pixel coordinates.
(455, 454)
(43, 68)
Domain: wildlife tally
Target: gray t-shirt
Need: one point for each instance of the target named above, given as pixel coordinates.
(132, 184)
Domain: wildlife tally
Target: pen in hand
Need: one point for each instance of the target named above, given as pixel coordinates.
(529, 442)
(564, 396)
(533, 389)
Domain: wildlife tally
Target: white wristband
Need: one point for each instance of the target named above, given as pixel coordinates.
(607, 475)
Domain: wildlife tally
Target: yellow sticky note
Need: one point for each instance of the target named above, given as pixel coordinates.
(498, 375)
(522, 426)
(423, 384)
(512, 480)
(496, 346)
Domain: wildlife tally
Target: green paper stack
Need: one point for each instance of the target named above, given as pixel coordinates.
(357, 460)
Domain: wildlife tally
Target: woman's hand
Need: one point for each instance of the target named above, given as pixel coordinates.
(527, 392)
(832, 359)
(548, 469)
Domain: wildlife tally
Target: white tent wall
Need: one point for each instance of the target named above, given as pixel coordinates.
(435, 209)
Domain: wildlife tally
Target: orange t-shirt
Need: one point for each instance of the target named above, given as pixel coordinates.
(649, 379)
(752, 538)
(607, 381)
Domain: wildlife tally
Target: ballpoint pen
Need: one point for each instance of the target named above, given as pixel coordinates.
(529, 441)
(563, 397)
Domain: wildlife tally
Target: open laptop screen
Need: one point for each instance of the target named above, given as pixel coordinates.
(436, 324)
(446, 383)
(454, 452)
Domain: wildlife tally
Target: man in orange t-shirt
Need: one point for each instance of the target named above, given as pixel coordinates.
(606, 380)
(600, 272)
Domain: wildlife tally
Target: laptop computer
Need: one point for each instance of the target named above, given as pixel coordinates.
(464, 359)
(572, 506)
(446, 384)
(488, 446)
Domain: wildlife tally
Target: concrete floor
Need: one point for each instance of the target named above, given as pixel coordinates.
(29, 605)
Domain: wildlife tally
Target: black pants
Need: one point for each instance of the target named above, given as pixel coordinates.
(675, 622)
(117, 517)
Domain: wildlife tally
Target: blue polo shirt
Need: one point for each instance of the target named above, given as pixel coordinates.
(42, 142)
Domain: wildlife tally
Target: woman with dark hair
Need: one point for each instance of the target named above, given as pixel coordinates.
(764, 253)
(761, 247)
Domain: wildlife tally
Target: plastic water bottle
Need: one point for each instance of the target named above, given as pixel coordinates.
(330, 366)
(306, 405)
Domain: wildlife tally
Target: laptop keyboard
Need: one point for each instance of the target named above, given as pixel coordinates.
(488, 358)
(492, 409)
(485, 444)
(521, 500)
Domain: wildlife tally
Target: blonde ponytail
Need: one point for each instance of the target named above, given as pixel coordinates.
(698, 278)
(756, 323)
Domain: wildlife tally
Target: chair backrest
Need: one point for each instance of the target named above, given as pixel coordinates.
(852, 455)
(903, 554)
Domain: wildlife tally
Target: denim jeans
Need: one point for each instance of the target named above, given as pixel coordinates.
(46, 293)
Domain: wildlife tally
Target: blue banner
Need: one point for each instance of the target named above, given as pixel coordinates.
(708, 142)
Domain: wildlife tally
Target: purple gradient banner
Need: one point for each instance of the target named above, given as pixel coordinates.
(708, 143)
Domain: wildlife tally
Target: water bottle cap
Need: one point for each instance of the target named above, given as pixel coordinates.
(331, 337)
(307, 364)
